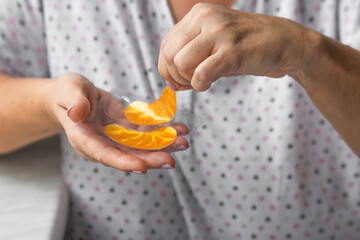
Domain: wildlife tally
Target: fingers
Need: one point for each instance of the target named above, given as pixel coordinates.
(173, 42)
(192, 54)
(188, 54)
(211, 69)
(111, 156)
(180, 128)
(170, 81)
(99, 149)
(163, 66)
(180, 144)
(155, 160)
(177, 38)
(176, 76)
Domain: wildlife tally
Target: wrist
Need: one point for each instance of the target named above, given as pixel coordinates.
(309, 59)
(49, 104)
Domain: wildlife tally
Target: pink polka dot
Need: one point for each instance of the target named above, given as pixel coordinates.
(354, 213)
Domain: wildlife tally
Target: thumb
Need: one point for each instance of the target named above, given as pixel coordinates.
(76, 95)
(79, 109)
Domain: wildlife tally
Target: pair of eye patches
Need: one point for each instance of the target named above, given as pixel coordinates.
(142, 113)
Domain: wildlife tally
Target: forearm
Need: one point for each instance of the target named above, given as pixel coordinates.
(331, 76)
(24, 112)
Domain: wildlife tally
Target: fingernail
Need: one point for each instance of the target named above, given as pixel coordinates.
(69, 109)
(166, 166)
(138, 172)
(181, 148)
(171, 85)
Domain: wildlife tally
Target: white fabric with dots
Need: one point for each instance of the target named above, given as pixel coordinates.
(265, 164)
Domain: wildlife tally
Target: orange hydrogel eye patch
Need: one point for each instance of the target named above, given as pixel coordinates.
(158, 112)
(156, 139)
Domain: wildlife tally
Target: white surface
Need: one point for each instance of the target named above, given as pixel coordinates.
(33, 195)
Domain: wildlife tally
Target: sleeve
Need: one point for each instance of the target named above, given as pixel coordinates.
(22, 39)
(349, 22)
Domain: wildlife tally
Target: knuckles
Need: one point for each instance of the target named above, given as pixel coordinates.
(202, 10)
(219, 29)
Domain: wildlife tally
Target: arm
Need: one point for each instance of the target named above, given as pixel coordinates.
(24, 114)
(212, 41)
(331, 77)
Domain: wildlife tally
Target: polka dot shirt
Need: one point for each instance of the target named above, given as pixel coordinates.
(265, 164)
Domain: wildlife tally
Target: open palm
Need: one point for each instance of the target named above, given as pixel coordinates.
(84, 110)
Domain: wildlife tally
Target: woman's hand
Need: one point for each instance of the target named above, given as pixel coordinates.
(75, 104)
(213, 41)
